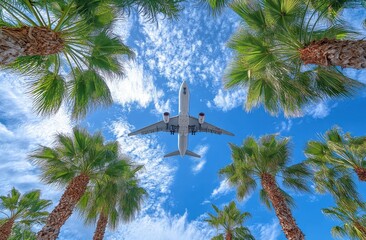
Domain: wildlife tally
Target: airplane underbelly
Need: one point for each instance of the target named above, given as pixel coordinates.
(183, 125)
(182, 144)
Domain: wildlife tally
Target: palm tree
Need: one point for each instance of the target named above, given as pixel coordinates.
(340, 150)
(59, 48)
(274, 45)
(26, 209)
(264, 161)
(67, 47)
(75, 161)
(113, 200)
(231, 221)
(353, 217)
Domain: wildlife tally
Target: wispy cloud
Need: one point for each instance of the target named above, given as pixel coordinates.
(137, 90)
(180, 50)
(5, 132)
(163, 227)
(269, 231)
(227, 100)
(284, 126)
(318, 110)
(199, 163)
(223, 189)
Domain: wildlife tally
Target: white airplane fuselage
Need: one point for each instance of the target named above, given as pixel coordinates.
(183, 118)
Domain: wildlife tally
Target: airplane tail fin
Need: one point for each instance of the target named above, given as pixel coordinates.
(176, 153)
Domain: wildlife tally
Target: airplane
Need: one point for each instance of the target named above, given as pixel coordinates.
(183, 124)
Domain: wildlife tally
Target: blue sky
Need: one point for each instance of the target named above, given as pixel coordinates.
(181, 190)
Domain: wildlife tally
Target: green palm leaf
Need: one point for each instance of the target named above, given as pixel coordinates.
(87, 91)
(49, 93)
(268, 61)
(352, 215)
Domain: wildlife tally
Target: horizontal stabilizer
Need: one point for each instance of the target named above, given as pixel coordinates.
(192, 154)
(176, 153)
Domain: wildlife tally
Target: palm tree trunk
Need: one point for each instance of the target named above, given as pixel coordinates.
(228, 236)
(5, 229)
(28, 41)
(361, 173)
(361, 229)
(283, 212)
(63, 210)
(101, 226)
(328, 52)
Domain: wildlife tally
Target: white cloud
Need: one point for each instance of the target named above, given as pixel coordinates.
(163, 227)
(5, 132)
(199, 163)
(137, 89)
(269, 231)
(284, 126)
(318, 110)
(186, 49)
(122, 27)
(227, 100)
(223, 189)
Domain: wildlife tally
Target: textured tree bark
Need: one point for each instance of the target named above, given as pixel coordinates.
(328, 52)
(28, 41)
(101, 226)
(228, 236)
(361, 173)
(5, 229)
(362, 229)
(283, 212)
(64, 209)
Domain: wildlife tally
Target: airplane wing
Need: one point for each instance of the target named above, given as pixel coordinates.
(195, 126)
(171, 126)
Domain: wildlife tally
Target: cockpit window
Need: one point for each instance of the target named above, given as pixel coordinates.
(184, 90)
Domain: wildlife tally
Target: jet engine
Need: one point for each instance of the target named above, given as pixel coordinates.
(201, 118)
(166, 117)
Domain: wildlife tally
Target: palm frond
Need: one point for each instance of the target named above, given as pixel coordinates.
(216, 7)
(87, 91)
(49, 93)
(296, 176)
(151, 8)
(332, 83)
(251, 13)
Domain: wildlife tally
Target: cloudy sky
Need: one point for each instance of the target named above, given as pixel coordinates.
(181, 190)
